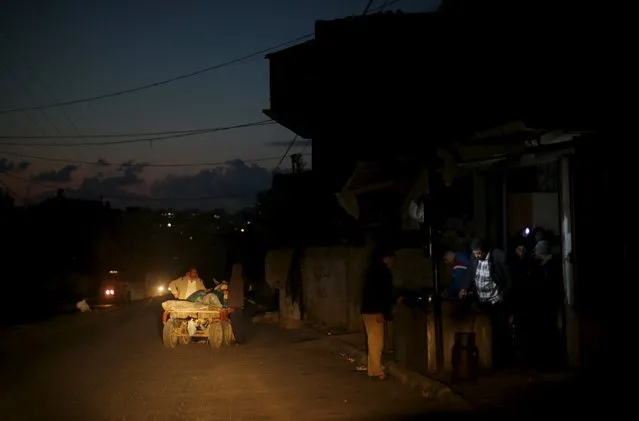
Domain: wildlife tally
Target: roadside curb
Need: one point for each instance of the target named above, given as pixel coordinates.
(428, 387)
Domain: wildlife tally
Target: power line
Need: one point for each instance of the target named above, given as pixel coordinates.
(290, 145)
(158, 165)
(381, 8)
(308, 142)
(29, 64)
(28, 95)
(162, 82)
(28, 116)
(386, 4)
(147, 139)
(368, 6)
(138, 134)
(144, 198)
(176, 78)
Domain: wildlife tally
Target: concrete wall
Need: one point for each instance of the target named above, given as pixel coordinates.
(412, 270)
(533, 210)
(277, 264)
(453, 322)
(332, 283)
(333, 278)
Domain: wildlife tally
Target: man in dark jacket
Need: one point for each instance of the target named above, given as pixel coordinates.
(488, 277)
(377, 307)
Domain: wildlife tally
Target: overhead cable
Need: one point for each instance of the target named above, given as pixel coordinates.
(103, 163)
(161, 82)
(177, 135)
(134, 134)
(177, 78)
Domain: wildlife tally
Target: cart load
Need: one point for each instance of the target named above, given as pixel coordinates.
(203, 320)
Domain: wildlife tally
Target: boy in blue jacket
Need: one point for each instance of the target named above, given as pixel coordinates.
(459, 264)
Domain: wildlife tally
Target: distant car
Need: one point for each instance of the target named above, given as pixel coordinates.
(116, 293)
(114, 290)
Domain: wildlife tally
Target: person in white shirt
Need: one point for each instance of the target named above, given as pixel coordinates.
(183, 287)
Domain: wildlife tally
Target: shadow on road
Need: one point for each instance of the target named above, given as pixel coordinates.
(158, 321)
(587, 395)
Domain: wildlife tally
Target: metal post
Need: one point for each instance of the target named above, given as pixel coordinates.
(437, 305)
(504, 214)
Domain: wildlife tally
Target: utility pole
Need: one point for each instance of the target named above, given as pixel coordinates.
(437, 302)
(435, 256)
(428, 220)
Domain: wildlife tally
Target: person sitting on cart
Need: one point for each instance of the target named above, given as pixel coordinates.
(185, 286)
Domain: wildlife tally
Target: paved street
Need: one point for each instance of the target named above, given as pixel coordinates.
(114, 367)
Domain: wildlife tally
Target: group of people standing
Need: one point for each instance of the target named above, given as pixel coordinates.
(521, 295)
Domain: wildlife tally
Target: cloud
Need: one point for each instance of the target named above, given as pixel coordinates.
(119, 185)
(11, 166)
(231, 187)
(62, 175)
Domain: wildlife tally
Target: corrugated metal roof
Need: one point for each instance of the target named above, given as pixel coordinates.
(379, 175)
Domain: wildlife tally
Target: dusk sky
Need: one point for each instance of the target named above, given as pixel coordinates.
(57, 51)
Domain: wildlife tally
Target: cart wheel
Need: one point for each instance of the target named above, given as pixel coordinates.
(228, 337)
(169, 338)
(216, 336)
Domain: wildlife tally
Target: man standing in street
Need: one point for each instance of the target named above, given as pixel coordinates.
(236, 302)
(183, 287)
(377, 307)
(488, 276)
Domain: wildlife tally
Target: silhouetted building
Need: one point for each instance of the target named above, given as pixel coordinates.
(396, 101)
(380, 86)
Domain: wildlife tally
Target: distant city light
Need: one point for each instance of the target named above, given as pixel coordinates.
(168, 225)
(241, 229)
(113, 272)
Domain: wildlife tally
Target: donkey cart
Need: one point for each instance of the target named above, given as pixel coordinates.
(186, 322)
